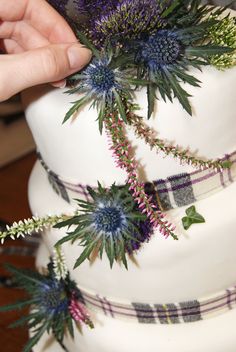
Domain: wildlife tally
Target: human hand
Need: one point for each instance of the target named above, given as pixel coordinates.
(40, 46)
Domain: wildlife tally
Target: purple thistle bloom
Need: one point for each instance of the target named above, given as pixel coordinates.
(144, 234)
(128, 20)
(95, 8)
(59, 5)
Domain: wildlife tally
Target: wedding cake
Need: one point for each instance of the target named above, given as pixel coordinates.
(200, 264)
(174, 288)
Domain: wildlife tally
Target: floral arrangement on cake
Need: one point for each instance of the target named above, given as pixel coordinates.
(136, 45)
(54, 301)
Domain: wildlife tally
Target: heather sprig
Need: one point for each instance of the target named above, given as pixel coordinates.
(121, 151)
(109, 223)
(54, 305)
(59, 264)
(183, 155)
(29, 226)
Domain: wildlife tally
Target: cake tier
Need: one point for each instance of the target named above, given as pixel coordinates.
(200, 263)
(211, 335)
(77, 152)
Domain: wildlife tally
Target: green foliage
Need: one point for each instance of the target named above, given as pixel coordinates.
(192, 218)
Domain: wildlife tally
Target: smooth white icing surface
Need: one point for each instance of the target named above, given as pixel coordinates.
(77, 152)
(200, 263)
(212, 335)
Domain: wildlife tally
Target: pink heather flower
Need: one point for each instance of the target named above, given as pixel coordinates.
(79, 312)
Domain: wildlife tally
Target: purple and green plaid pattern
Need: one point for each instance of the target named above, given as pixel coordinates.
(170, 313)
(172, 192)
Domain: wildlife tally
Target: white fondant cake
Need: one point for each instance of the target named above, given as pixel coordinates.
(200, 264)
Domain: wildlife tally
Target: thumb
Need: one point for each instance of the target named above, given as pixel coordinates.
(47, 64)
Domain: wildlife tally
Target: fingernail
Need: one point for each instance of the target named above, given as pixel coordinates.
(78, 56)
(59, 84)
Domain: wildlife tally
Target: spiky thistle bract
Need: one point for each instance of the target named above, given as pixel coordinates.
(110, 222)
(102, 83)
(51, 303)
(164, 58)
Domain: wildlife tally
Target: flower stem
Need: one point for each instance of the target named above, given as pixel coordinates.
(121, 151)
(30, 226)
(148, 134)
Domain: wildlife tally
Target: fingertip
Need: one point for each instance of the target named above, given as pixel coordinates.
(59, 84)
(78, 56)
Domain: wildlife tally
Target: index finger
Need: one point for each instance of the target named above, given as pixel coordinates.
(41, 16)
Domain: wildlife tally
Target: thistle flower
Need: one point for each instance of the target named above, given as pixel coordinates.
(111, 222)
(165, 58)
(129, 20)
(102, 83)
(60, 6)
(50, 301)
(160, 50)
(95, 8)
(51, 298)
(224, 33)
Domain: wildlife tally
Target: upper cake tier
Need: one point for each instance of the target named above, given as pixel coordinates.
(78, 153)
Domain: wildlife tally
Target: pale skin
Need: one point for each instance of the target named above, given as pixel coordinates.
(40, 47)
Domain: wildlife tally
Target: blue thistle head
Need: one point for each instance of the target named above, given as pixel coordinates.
(109, 218)
(161, 49)
(112, 222)
(103, 84)
(52, 297)
(100, 78)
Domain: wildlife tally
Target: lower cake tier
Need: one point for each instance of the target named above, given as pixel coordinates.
(200, 264)
(216, 334)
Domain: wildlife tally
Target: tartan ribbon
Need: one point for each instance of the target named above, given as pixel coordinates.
(170, 313)
(172, 192)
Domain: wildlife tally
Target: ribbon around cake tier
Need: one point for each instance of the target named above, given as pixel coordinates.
(169, 313)
(172, 192)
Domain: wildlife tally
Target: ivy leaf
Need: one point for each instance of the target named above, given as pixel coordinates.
(192, 218)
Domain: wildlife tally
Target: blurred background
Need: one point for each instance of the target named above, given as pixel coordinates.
(17, 156)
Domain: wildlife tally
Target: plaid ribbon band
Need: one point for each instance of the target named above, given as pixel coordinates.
(175, 191)
(170, 313)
